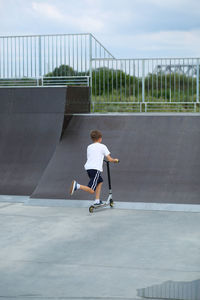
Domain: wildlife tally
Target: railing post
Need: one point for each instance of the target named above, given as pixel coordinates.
(90, 45)
(40, 56)
(143, 80)
(90, 54)
(197, 82)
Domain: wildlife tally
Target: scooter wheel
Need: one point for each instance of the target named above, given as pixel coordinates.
(111, 203)
(91, 209)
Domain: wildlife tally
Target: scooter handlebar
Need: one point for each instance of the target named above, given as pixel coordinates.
(116, 162)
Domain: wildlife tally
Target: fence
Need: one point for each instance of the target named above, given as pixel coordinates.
(47, 81)
(117, 84)
(145, 84)
(30, 58)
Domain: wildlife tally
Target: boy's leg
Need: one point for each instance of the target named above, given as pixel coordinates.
(94, 176)
(75, 186)
(98, 190)
(91, 191)
(90, 188)
(86, 189)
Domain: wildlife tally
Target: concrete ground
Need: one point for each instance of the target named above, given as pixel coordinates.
(67, 253)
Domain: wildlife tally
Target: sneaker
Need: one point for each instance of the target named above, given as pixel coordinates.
(73, 187)
(98, 202)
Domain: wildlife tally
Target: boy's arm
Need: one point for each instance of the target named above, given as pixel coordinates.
(109, 158)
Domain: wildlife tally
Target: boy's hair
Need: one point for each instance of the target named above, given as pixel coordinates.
(95, 135)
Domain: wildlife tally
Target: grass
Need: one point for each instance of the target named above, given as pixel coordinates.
(102, 105)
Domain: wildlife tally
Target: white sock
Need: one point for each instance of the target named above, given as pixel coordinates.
(96, 201)
(78, 186)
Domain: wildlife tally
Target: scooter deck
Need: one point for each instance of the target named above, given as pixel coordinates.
(93, 207)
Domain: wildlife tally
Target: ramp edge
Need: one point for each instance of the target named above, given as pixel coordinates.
(27, 201)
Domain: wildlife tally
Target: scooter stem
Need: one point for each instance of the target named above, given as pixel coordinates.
(108, 172)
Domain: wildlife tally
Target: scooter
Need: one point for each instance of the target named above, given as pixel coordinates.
(109, 200)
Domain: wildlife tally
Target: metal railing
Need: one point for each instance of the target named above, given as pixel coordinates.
(117, 84)
(46, 81)
(66, 80)
(160, 84)
(37, 56)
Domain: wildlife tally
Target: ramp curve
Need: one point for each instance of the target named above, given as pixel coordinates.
(159, 158)
(31, 122)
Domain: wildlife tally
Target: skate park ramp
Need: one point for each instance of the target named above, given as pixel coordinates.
(31, 121)
(159, 158)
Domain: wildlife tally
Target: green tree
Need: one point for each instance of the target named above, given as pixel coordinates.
(62, 70)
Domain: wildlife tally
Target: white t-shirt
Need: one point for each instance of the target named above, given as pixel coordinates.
(95, 156)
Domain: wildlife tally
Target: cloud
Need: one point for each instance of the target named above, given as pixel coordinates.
(156, 15)
(85, 23)
(128, 29)
(47, 10)
(158, 44)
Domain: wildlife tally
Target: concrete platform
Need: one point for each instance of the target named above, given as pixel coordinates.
(66, 253)
(72, 203)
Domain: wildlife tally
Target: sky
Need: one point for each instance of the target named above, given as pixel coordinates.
(128, 28)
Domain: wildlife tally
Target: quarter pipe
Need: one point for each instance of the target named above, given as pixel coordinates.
(31, 121)
(159, 158)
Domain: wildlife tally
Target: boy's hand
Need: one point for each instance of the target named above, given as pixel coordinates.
(116, 160)
(113, 160)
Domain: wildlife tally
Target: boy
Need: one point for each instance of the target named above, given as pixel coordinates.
(94, 166)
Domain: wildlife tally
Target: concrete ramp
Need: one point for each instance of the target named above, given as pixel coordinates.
(159, 158)
(31, 121)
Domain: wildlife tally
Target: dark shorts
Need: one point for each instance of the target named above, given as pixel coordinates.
(95, 178)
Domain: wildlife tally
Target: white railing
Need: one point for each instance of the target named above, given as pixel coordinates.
(160, 84)
(166, 84)
(46, 81)
(34, 56)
